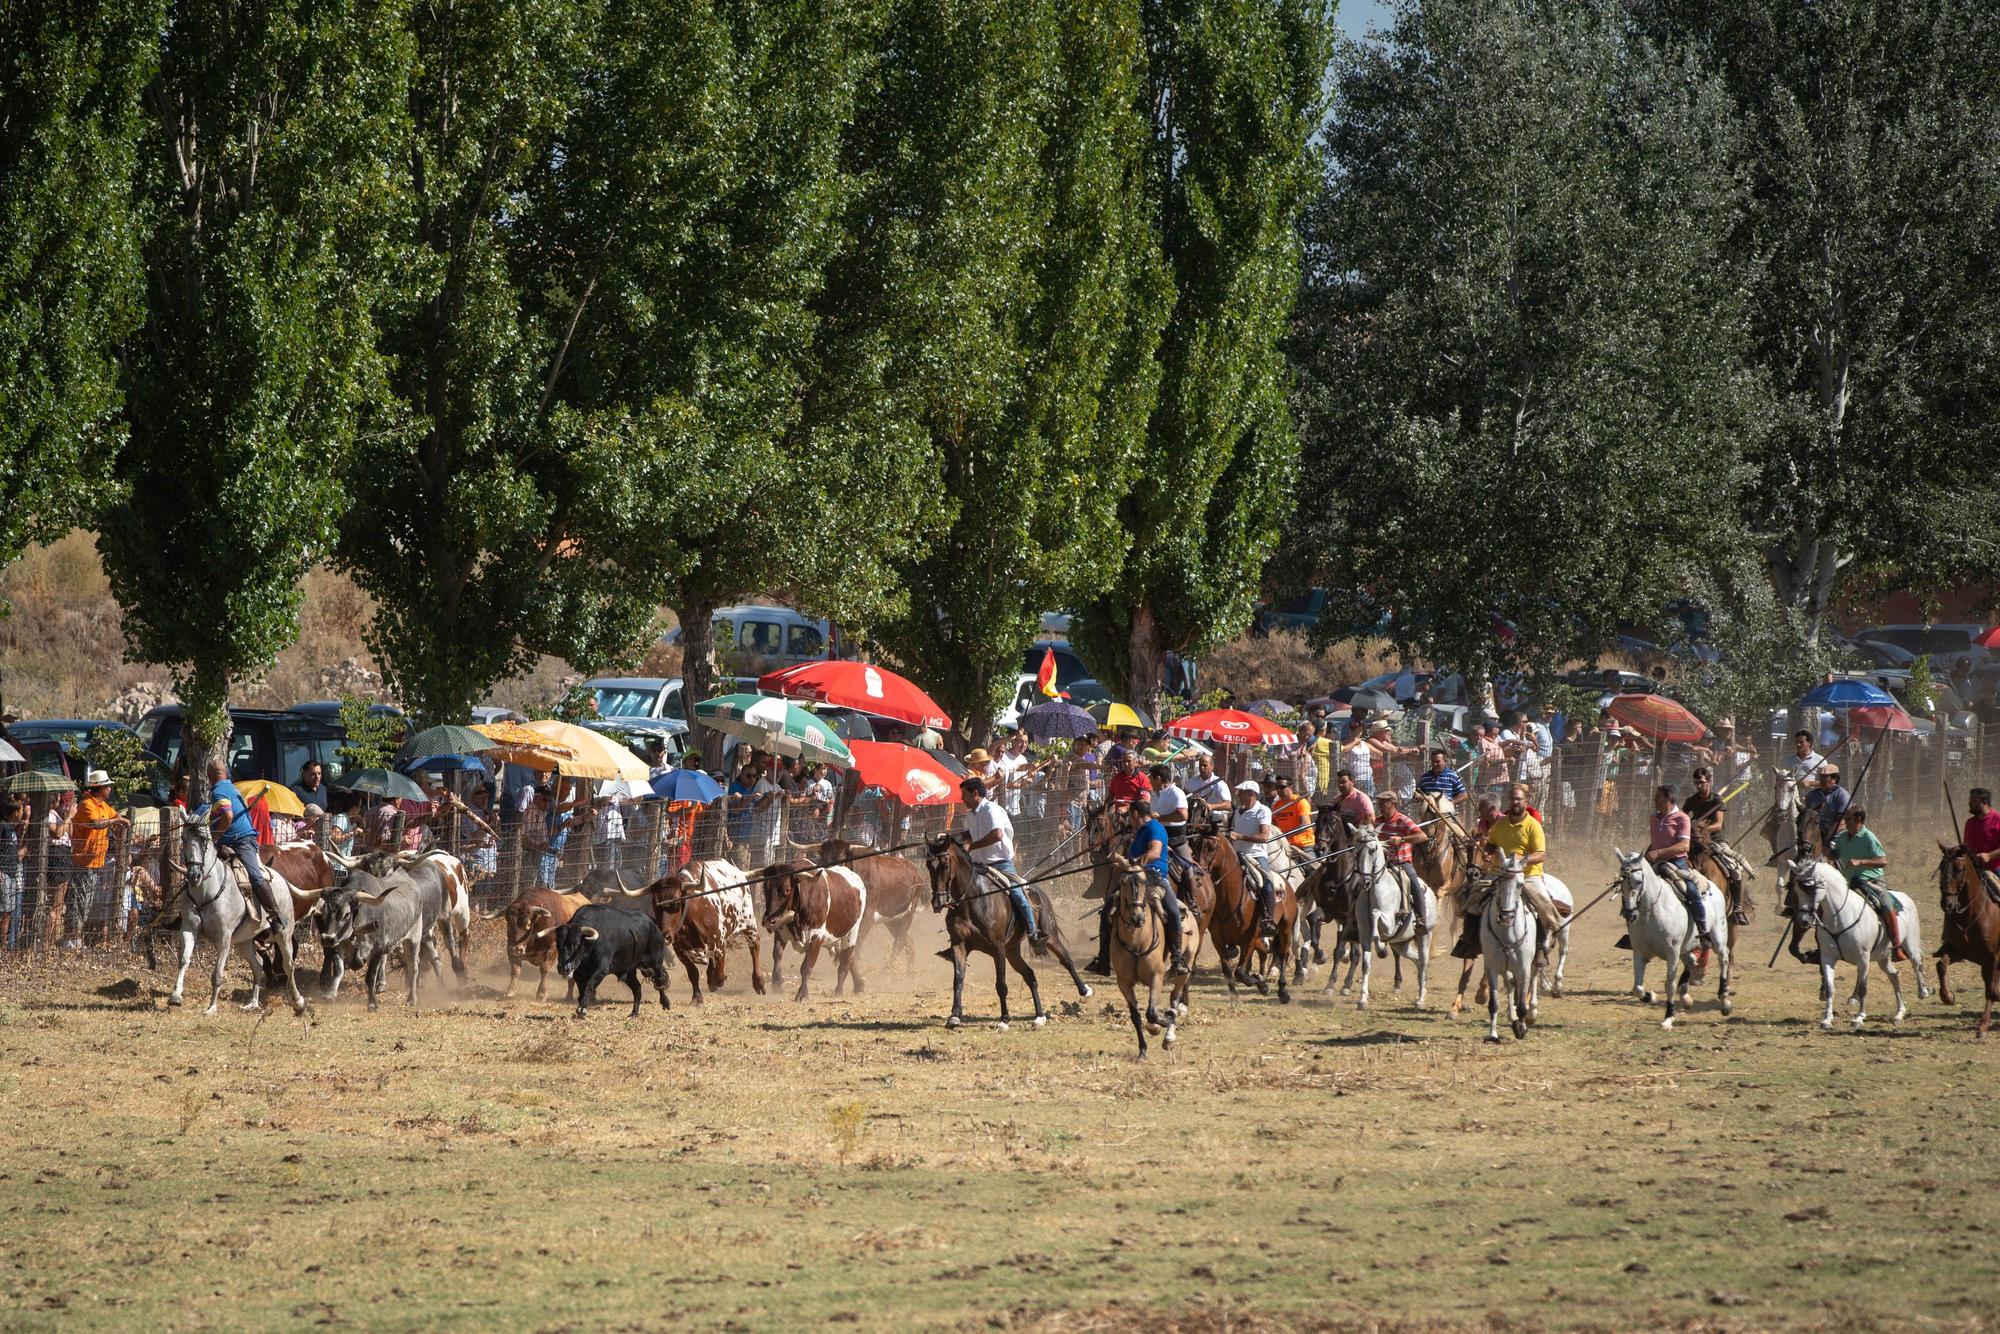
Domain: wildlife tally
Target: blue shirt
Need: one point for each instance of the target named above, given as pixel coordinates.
(1446, 784)
(1150, 832)
(559, 822)
(1830, 803)
(239, 819)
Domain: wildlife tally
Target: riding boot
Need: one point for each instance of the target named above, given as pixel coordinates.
(1694, 906)
(1896, 950)
(1738, 913)
(1267, 911)
(1101, 965)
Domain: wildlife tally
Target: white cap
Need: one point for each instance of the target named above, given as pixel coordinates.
(1248, 786)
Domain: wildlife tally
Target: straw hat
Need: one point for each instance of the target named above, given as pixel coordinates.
(978, 755)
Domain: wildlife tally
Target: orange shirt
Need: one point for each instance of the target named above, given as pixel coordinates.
(90, 846)
(1294, 820)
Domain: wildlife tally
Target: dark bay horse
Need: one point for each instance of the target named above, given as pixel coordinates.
(1971, 928)
(979, 915)
(1233, 924)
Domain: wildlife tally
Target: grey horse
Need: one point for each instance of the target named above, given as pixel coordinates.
(213, 907)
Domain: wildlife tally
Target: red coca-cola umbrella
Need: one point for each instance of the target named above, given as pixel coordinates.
(912, 776)
(861, 686)
(1880, 717)
(1230, 727)
(1991, 639)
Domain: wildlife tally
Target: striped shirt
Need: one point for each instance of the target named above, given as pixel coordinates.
(1445, 783)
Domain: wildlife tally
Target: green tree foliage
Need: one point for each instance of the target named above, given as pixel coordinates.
(1007, 139)
(1866, 137)
(70, 76)
(1233, 95)
(371, 738)
(1521, 391)
(269, 126)
(487, 529)
(688, 227)
(123, 760)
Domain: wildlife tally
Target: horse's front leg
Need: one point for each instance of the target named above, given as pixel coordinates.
(1020, 963)
(1492, 1003)
(1895, 985)
(187, 957)
(1639, 962)
(1365, 948)
(1000, 986)
(1826, 959)
(957, 1016)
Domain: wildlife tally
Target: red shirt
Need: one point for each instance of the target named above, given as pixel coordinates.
(1398, 823)
(1129, 787)
(260, 820)
(1982, 832)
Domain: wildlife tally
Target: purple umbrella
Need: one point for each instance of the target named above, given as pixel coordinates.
(1055, 719)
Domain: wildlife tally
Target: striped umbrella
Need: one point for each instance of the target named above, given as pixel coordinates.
(449, 739)
(1658, 717)
(1231, 727)
(776, 725)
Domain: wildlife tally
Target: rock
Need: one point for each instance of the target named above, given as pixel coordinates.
(134, 702)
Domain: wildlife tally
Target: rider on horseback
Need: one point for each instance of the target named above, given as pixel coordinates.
(1400, 835)
(1170, 808)
(989, 841)
(1672, 836)
(1861, 858)
(1982, 835)
(1705, 815)
(1251, 832)
(228, 815)
(1519, 832)
(1149, 852)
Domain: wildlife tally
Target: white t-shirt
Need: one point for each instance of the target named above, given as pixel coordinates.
(982, 820)
(1210, 789)
(1806, 769)
(611, 823)
(1170, 805)
(1246, 830)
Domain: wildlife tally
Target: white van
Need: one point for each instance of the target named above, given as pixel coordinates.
(777, 634)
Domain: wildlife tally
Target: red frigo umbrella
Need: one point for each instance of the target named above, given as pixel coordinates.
(861, 686)
(1230, 726)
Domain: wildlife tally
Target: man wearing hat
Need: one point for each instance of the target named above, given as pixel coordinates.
(90, 838)
(1148, 851)
(1251, 833)
(988, 836)
(1827, 802)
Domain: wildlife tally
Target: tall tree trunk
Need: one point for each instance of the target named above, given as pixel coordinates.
(204, 727)
(698, 675)
(1146, 652)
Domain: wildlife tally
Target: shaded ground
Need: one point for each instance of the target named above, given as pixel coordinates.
(754, 1164)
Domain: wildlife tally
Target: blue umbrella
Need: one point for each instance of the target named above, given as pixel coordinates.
(687, 785)
(1045, 722)
(1847, 693)
(442, 764)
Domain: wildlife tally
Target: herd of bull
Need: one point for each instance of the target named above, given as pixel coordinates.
(415, 909)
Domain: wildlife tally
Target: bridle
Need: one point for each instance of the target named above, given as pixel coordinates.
(188, 872)
(1809, 907)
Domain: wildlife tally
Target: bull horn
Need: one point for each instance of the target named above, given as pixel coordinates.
(638, 893)
(782, 918)
(590, 933)
(361, 896)
(342, 860)
(503, 909)
(547, 930)
(538, 911)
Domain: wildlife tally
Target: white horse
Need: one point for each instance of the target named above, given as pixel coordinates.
(213, 907)
(1851, 932)
(1507, 939)
(1377, 899)
(1661, 928)
(1781, 827)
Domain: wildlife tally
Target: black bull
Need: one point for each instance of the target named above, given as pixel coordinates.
(602, 941)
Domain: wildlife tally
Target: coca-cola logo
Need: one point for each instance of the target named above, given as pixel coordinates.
(871, 681)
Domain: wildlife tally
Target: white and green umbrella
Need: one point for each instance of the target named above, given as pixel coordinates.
(776, 725)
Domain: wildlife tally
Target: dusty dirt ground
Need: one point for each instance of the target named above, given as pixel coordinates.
(756, 1163)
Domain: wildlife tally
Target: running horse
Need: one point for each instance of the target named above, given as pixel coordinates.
(1233, 926)
(979, 915)
(1141, 952)
(1971, 927)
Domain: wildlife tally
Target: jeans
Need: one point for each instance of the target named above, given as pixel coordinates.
(1016, 892)
(1689, 887)
(245, 849)
(1170, 906)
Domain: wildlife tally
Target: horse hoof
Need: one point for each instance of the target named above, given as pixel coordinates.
(1648, 997)
(1667, 1024)
(1727, 1008)
(1856, 1022)
(1555, 989)
(1284, 996)
(1000, 1027)
(1362, 1004)
(1040, 1020)
(1826, 1025)
(1086, 991)
(1153, 1027)
(1493, 1037)
(1263, 987)
(174, 1001)
(250, 1007)
(953, 1021)
(1347, 991)
(1520, 1029)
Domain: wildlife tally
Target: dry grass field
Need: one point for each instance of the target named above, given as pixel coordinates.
(757, 1164)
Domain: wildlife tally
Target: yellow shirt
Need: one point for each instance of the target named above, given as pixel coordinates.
(1294, 819)
(1321, 751)
(1520, 840)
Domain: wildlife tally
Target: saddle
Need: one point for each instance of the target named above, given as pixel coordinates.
(1989, 880)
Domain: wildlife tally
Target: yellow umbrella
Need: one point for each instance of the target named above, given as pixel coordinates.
(594, 755)
(518, 745)
(280, 799)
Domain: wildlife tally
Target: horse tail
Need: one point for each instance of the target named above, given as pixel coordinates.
(1045, 915)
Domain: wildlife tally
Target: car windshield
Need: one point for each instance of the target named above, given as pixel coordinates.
(625, 701)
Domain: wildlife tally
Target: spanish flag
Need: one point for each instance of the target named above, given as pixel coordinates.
(1045, 679)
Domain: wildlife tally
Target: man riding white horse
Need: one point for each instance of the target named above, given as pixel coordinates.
(1251, 833)
(1668, 852)
(1518, 833)
(228, 816)
(1400, 836)
(1862, 859)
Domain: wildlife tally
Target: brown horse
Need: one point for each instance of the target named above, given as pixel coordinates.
(1233, 925)
(979, 915)
(1141, 952)
(1971, 927)
(895, 890)
(1104, 842)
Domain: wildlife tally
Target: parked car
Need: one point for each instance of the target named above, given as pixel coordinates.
(493, 713)
(777, 633)
(1945, 644)
(272, 744)
(1873, 652)
(70, 734)
(637, 697)
(40, 752)
(636, 732)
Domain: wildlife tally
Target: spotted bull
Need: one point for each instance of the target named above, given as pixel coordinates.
(897, 888)
(813, 907)
(702, 909)
(603, 941)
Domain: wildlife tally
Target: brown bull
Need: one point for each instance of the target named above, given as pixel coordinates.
(702, 909)
(814, 906)
(532, 919)
(897, 888)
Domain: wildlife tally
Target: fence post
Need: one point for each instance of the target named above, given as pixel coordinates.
(119, 921)
(35, 929)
